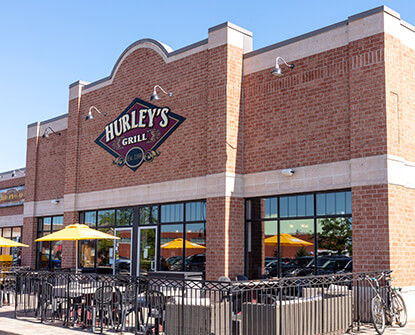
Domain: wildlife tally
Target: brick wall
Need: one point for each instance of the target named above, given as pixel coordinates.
(370, 228)
(323, 110)
(225, 243)
(182, 155)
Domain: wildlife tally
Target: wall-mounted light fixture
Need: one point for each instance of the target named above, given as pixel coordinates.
(277, 70)
(287, 172)
(154, 96)
(90, 116)
(14, 173)
(48, 130)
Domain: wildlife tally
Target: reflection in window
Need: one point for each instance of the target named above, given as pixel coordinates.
(295, 206)
(195, 251)
(289, 237)
(105, 251)
(49, 254)
(195, 211)
(90, 219)
(148, 215)
(87, 253)
(271, 207)
(172, 213)
(106, 218)
(335, 236)
(334, 203)
(125, 217)
(171, 247)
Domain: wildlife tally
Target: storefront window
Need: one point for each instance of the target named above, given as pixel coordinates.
(49, 253)
(195, 211)
(172, 213)
(125, 217)
(106, 218)
(90, 219)
(287, 238)
(14, 233)
(105, 253)
(148, 215)
(171, 247)
(196, 249)
(179, 241)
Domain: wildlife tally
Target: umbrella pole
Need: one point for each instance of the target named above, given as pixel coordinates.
(76, 256)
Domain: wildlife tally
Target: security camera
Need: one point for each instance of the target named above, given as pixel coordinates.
(287, 172)
(55, 201)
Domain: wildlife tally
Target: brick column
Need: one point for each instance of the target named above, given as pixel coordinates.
(225, 205)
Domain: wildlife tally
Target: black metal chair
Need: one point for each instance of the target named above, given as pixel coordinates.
(103, 306)
(155, 303)
(8, 288)
(50, 302)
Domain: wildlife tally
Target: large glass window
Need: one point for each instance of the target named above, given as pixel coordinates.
(49, 253)
(180, 243)
(15, 234)
(288, 235)
(183, 245)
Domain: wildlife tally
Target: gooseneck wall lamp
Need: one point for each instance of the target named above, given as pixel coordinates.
(90, 116)
(277, 70)
(47, 132)
(154, 96)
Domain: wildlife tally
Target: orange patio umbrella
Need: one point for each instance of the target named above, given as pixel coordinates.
(178, 244)
(287, 240)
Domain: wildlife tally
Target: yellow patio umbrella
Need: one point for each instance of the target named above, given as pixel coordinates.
(287, 240)
(76, 232)
(5, 242)
(178, 244)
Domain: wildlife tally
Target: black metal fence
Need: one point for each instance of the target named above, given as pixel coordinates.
(297, 305)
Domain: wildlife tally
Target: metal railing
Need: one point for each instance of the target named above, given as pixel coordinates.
(328, 304)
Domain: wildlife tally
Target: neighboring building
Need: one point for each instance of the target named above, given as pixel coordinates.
(12, 191)
(212, 163)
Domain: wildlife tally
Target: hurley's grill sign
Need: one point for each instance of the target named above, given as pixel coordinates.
(134, 137)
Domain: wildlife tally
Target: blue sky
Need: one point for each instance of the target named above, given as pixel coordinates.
(47, 45)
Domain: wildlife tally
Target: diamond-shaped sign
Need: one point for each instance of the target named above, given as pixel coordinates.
(133, 137)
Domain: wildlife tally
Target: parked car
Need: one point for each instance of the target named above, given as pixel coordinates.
(326, 265)
(196, 263)
(287, 266)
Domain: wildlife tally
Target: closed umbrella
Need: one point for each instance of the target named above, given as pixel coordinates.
(287, 240)
(76, 232)
(178, 244)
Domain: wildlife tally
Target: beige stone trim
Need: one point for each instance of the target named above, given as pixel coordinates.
(43, 208)
(151, 46)
(11, 220)
(375, 170)
(39, 128)
(385, 21)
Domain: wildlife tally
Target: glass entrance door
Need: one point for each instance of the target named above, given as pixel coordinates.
(147, 250)
(122, 253)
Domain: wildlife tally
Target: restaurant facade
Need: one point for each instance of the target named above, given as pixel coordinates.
(235, 170)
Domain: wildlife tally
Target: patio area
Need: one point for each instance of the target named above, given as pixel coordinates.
(333, 304)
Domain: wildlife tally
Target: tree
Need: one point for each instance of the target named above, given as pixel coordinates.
(336, 235)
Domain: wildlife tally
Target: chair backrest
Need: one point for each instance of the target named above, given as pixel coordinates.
(241, 278)
(130, 293)
(9, 283)
(47, 290)
(155, 302)
(224, 278)
(103, 295)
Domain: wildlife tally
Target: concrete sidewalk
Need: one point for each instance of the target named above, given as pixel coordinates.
(30, 326)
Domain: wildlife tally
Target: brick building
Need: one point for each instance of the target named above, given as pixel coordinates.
(236, 155)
